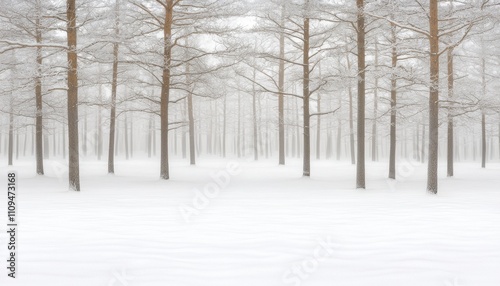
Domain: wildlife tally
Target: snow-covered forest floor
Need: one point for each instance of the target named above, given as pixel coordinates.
(269, 226)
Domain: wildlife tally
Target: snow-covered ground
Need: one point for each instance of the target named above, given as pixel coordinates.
(266, 226)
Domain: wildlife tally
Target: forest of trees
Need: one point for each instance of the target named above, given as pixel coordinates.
(311, 79)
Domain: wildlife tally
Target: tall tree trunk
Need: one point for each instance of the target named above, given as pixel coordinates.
(360, 166)
(99, 127)
(125, 139)
(165, 89)
(417, 148)
(392, 145)
(238, 139)
(74, 158)
(351, 119)
(54, 141)
(297, 126)
(17, 144)
(254, 117)
(259, 125)
(11, 129)
(375, 107)
(33, 135)
(483, 140)
(432, 170)
(38, 97)
(46, 153)
(339, 139)
(154, 136)
(318, 130)
(150, 135)
(64, 141)
(224, 127)
(131, 134)
(114, 85)
(483, 115)
(184, 131)
(450, 155)
(305, 95)
(25, 141)
(281, 88)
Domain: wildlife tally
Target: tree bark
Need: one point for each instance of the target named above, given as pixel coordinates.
(375, 108)
(432, 170)
(305, 95)
(351, 119)
(165, 89)
(483, 140)
(450, 153)
(281, 88)
(360, 166)
(318, 130)
(392, 145)
(74, 164)
(125, 139)
(38, 98)
(11, 130)
(114, 85)
(254, 118)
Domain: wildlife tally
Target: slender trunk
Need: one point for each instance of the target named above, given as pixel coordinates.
(54, 145)
(38, 97)
(99, 127)
(259, 125)
(11, 129)
(184, 133)
(154, 136)
(131, 134)
(318, 130)
(117, 137)
(74, 158)
(254, 117)
(432, 171)
(224, 126)
(351, 119)
(17, 144)
(450, 152)
(360, 166)
(150, 135)
(297, 126)
(25, 142)
(483, 140)
(392, 147)
(46, 153)
(165, 89)
(375, 107)
(33, 135)
(305, 96)
(64, 141)
(417, 148)
(238, 139)
(281, 88)
(125, 140)
(339, 139)
(114, 85)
